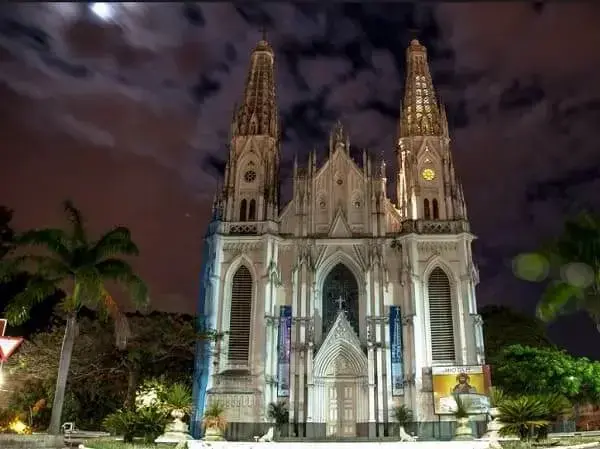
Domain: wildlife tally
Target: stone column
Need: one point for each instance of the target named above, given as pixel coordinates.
(293, 369)
(372, 416)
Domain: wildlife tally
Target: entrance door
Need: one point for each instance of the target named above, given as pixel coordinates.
(348, 406)
(341, 410)
(332, 411)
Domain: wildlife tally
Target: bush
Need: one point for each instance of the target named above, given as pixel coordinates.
(403, 415)
(147, 423)
(529, 416)
(278, 412)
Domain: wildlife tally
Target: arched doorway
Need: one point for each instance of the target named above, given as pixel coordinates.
(340, 292)
(340, 399)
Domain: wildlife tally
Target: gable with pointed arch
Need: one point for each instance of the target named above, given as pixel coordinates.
(341, 345)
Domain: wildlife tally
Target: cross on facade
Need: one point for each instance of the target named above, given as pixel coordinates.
(340, 302)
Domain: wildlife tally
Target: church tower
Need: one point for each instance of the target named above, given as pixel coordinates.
(250, 192)
(427, 185)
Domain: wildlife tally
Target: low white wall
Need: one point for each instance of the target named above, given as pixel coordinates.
(333, 445)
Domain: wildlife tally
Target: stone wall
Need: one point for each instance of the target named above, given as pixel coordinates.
(40, 441)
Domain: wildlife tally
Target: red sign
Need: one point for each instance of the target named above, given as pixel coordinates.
(8, 345)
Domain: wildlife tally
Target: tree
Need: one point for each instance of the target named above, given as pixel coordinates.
(546, 371)
(17, 283)
(160, 343)
(574, 259)
(503, 327)
(80, 267)
(6, 231)
(161, 346)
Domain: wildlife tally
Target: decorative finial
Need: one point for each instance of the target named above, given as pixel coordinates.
(263, 31)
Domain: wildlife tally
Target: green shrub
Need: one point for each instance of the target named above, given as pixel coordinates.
(147, 423)
(496, 396)
(278, 413)
(556, 407)
(523, 416)
(402, 414)
(462, 407)
(176, 397)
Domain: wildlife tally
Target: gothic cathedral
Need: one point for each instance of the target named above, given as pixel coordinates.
(341, 304)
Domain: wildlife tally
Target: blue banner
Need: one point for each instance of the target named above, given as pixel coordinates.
(396, 351)
(284, 350)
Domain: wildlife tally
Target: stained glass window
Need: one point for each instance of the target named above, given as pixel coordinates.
(340, 283)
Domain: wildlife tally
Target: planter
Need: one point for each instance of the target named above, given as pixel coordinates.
(463, 429)
(213, 434)
(494, 426)
(176, 431)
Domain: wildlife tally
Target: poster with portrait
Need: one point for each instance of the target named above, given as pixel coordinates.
(469, 382)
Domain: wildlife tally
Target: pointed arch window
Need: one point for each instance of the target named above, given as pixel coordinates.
(426, 210)
(435, 209)
(243, 210)
(441, 323)
(252, 210)
(240, 316)
(340, 283)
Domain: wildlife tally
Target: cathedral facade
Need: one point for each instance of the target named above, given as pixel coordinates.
(342, 303)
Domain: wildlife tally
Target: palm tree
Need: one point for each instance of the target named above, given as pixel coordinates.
(278, 412)
(81, 268)
(576, 256)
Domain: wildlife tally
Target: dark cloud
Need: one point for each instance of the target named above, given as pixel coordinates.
(522, 94)
(205, 88)
(132, 114)
(193, 14)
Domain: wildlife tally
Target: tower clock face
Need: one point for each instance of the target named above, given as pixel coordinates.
(428, 174)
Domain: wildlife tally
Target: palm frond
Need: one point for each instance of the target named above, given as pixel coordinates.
(114, 269)
(122, 273)
(556, 299)
(114, 242)
(76, 219)
(11, 267)
(138, 292)
(35, 292)
(40, 265)
(89, 287)
(54, 240)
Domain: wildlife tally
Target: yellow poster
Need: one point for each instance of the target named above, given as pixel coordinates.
(468, 381)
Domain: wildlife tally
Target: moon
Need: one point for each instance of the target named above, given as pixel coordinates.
(102, 10)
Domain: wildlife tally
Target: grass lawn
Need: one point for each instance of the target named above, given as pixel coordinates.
(549, 444)
(112, 444)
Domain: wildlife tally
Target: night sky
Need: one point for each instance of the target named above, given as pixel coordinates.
(129, 116)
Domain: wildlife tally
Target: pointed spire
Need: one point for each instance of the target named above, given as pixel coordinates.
(420, 113)
(338, 137)
(382, 166)
(257, 113)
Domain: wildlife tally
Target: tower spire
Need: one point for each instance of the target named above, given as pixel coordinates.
(420, 114)
(263, 31)
(427, 186)
(257, 114)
